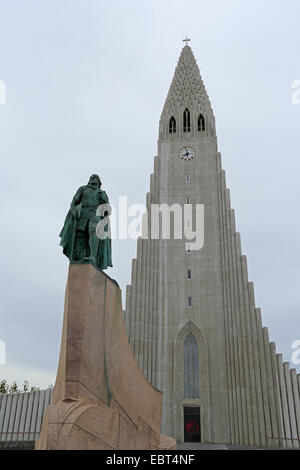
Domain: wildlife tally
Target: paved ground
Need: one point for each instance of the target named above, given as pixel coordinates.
(199, 446)
(29, 445)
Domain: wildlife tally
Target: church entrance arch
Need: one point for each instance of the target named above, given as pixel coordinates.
(191, 390)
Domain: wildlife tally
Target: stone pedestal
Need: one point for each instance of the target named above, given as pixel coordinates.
(101, 398)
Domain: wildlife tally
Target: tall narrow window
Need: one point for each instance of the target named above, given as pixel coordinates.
(189, 301)
(201, 123)
(172, 125)
(186, 121)
(189, 274)
(188, 200)
(191, 376)
(187, 178)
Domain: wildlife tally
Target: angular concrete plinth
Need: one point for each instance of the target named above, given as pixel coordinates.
(101, 398)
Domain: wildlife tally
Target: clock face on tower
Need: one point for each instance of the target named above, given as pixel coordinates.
(187, 153)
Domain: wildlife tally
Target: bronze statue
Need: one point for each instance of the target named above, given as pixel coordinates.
(79, 237)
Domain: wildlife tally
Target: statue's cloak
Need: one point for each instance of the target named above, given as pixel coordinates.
(67, 235)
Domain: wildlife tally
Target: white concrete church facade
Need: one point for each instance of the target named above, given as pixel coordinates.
(190, 314)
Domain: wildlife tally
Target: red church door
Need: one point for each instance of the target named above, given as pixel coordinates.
(192, 431)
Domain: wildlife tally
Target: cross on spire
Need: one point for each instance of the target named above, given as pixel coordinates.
(186, 40)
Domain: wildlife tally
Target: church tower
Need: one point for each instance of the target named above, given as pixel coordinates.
(190, 313)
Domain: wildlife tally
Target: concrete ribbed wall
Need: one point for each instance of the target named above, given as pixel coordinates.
(142, 305)
(289, 393)
(256, 374)
(21, 415)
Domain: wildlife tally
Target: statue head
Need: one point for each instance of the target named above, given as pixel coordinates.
(95, 181)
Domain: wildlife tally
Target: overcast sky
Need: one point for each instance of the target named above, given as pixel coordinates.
(86, 82)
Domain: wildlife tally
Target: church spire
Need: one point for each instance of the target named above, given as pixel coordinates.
(187, 91)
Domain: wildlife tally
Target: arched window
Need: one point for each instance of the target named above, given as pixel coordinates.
(186, 120)
(190, 366)
(201, 123)
(172, 125)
